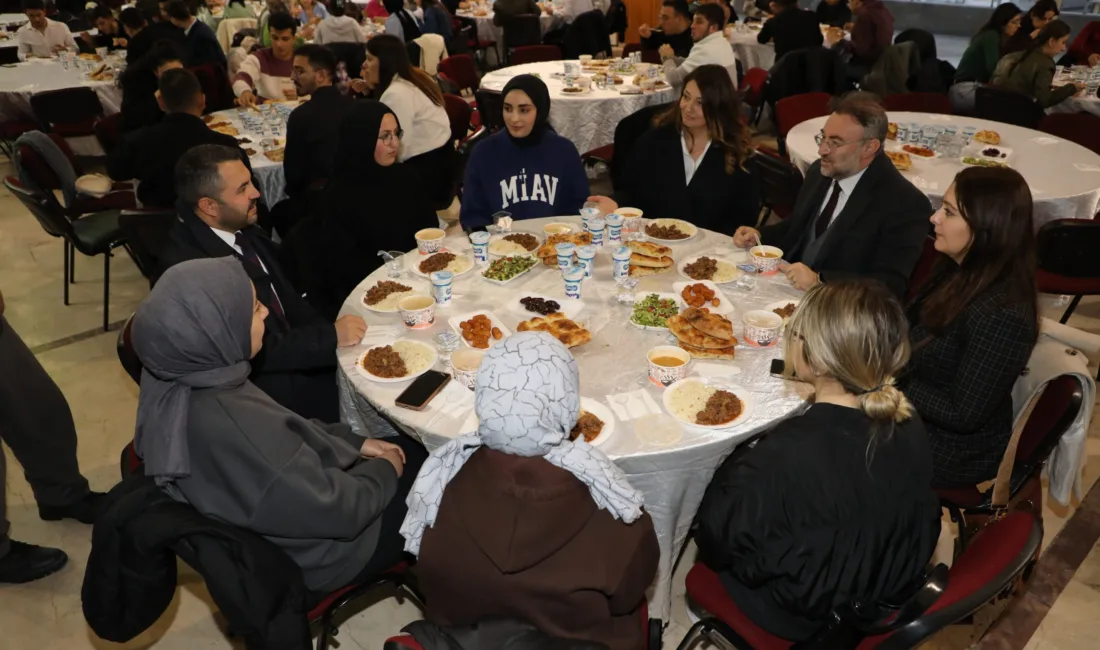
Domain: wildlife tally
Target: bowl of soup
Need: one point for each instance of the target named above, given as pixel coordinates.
(429, 240)
(766, 258)
(668, 364)
(418, 312)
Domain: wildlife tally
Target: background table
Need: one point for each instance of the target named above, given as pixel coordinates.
(588, 120)
(1064, 177)
(487, 31)
(749, 52)
(1087, 103)
(672, 477)
(267, 173)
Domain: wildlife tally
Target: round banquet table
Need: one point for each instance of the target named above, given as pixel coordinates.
(749, 52)
(672, 477)
(267, 173)
(588, 120)
(1086, 102)
(1064, 177)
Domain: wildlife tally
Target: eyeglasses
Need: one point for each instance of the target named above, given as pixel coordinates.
(834, 144)
(389, 136)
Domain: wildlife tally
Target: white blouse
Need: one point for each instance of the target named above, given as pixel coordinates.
(426, 125)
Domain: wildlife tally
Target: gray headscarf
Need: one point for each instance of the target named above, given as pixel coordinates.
(193, 331)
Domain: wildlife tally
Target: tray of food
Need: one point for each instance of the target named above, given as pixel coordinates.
(595, 424)
(703, 293)
(704, 335)
(444, 260)
(479, 329)
(503, 270)
(384, 295)
(670, 231)
(783, 308)
(517, 243)
(537, 304)
(402, 360)
(652, 310)
(707, 404)
(709, 267)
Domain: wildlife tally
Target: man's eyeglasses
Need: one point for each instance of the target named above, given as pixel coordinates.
(832, 144)
(389, 136)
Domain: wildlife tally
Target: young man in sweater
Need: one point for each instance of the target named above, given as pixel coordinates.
(675, 29)
(265, 74)
(711, 47)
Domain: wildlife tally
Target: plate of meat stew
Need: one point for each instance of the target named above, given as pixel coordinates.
(707, 403)
(595, 424)
(402, 360)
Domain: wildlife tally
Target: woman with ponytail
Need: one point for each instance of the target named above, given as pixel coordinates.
(1031, 71)
(974, 323)
(834, 505)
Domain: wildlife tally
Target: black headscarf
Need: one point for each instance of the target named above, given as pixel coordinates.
(540, 97)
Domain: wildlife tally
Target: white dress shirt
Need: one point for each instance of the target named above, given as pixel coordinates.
(713, 49)
(35, 43)
(426, 125)
(690, 164)
(847, 186)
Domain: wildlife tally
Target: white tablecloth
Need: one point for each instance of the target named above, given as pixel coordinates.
(1087, 103)
(1064, 177)
(13, 19)
(487, 31)
(589, 120)
(672, 477)
(749, 52)
(267, 173)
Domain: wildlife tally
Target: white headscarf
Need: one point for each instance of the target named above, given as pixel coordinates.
(527, 401)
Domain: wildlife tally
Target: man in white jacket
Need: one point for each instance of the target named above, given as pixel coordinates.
(711, 47)
(338, 28)
(265, 74)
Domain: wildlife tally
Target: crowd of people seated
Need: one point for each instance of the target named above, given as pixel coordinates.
(239, 416)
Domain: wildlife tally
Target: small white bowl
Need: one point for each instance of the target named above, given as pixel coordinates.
(762, 328)
(464, 365)
(430, 240)
(766, 265)
(664, 376)
(418, 312)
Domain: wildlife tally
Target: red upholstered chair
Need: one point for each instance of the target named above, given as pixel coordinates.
(459, 70)
(923, 269)
(1082, 128)
(919, 103)
(1053, 415)
(326, 609)
(403, 642)
(69, 112)
(458, 112)
(779, 182)
(214, 81)
(796, 109)
(753, 85)
(1068, 264)
(535, 54)
(473, 41)
(992, 563)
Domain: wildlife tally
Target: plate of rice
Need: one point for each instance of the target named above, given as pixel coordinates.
(380, 362)
(688, 399)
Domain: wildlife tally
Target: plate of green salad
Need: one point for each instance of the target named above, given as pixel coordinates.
(652, 310)
(505, 269)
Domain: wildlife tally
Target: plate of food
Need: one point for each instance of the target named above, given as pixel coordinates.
(988, 137)
(783, 308)
(569, 332)
(516, 243)
(442, 261)
(704, 335)
(402, 360)
(902, 161)
(652, 310)
(707, 403)
(709, 267)
(703, 293)
(670, 231)
(595, 424)
(383, 296)
(575, 90)
(919, 151)
(479, 329)
(975, 161)
(990, 152)
(275, 155)
(537, 304)
(503, 270)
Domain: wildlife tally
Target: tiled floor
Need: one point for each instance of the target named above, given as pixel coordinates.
(47, 614)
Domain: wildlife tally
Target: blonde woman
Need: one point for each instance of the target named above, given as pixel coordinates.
(833, 505)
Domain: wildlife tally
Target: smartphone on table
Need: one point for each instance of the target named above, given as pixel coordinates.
(423, 389)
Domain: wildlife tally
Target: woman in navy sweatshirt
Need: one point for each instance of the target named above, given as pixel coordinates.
(527, 170)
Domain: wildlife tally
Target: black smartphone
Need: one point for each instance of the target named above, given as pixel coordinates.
(779, 369)
(423, 389)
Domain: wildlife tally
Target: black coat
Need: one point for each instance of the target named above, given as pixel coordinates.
(809, 70)
(961, 383)
(296, 366)
(150, 155)
(312, 133)
(837, 15)
(131, 575)
(587, 34)
(793, 29)
(143, 41)
(879, 234)
(139, 99)
(681, 43)
(201, 47)
(811, 517)
(654, 182)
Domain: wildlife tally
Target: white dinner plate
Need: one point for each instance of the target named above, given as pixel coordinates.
(579, 93)
(640, 296)
(605, 415)
(461, 265)
(687, 228)
(568, 306)
(727, 270)
(724, 305)
(979, 150)
(413, 372)
(530, 253)
(690, 383)
(455, 323)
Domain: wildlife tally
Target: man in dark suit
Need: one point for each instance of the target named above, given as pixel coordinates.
(217, 217)
(856, 214)
(200, 44)
(675, 29)
(791, 29)
(150, 154)
(141, 34)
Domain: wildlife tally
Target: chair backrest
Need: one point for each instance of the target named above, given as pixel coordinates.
(146, 236)
(490, 106)
(1082, 128)
(923, 269)
(46, 211)
(752, 84)
(1051, 418)
(1001, 105)
(522, 29)
(631, 48)
(1068, 247)
(458, 112)
(228, 28)
(461, 70)
(125, 350)
(992, 562)
(535, 54)
(924, 40)
(215, 85)
(587, 34)
(779, 181)
(106, 131)
(69, 112)
(918, 103)
(794, 110)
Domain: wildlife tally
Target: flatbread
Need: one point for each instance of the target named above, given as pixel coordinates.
(900, 159)
(643, 271)
(726, 354)
(709, 324)
(568, 332)
(652, 262)
(648, 249)
(682, 330)
(549, 255)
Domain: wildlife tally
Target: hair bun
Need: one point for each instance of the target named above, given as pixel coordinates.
(885, 402)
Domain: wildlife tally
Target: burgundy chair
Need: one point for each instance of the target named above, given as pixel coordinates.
(535, 54)
(459, 70)
(753, 84)
(779, 182)
(796, 109)
(992, 563)
(214, 81)
(1068, 264)
(1082, 128)
(69, 112)
(923, 269)
(458, 112)
(325, 610)
(649, 55)
(918, 103)
(473, 41)
(1053, 415)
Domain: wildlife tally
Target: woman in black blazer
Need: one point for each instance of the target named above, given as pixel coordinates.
(704, 138)
(974, 323)
(835, 504)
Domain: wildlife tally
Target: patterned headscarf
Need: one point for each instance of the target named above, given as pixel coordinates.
(527, 401)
